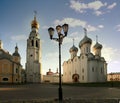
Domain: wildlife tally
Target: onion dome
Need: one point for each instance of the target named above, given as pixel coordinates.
(98, 46)
(85, 40)
(73, 49)
(102, 59)
(34, 23)
(16, 52)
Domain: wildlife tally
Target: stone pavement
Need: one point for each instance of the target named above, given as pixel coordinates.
(65, 101)
(46, 93)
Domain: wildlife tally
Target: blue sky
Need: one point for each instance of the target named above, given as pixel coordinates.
(100, 17)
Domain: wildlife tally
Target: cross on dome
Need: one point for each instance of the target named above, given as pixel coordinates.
(85, 31)
(35, 13)
(96, 38)
(73, 41)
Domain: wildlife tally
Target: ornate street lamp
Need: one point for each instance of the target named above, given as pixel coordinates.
(59, 29)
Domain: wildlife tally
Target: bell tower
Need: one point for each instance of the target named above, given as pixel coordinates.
(33, 53)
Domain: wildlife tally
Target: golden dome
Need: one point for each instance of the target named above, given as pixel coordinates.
(34, 23)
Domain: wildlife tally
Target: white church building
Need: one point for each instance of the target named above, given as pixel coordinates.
(33, 55)
(87, 67)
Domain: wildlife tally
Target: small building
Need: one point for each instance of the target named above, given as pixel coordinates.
(51, 77)
(113, 76)
(10, 66)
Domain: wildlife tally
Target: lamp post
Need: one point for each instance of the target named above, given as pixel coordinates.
(59, 29)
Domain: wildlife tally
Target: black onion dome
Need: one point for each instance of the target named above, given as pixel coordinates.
(73, 48)
(16, 54)
(85, 40)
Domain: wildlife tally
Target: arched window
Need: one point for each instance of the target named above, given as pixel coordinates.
(16, 70)
(5, 79)
(101, 70)
(36, 43)
(82, 70)
(92, 69)
(87, 49)
(32, 42)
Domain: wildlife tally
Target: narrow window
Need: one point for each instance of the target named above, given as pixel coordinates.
(16, 70)
(101, 70)
(82, 57)
(87, 49)
(92, 69)
(36, 44)
(83, 70)
(32, 43)
(82, 77)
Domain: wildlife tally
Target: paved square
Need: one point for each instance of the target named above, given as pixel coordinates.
(49, 91)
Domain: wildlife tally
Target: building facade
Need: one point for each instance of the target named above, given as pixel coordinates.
(51, 77)
(33, 54)
(10, 66)
(113, 76)
(87, 67)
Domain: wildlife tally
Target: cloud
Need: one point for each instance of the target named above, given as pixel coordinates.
(19, 37)
(70, 40)
(77, 6)
(91, 28)
(98, 13)
(96, 5)
(112, 57)
(51, 55)
(112, 6)
(108, 53)
(74, 34)
(78, 23)
(71, 21)
(45, 27)
(82, 7)
(118, 27)
(100, 26)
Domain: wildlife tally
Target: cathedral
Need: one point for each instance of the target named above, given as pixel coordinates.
(10, 66)
(87, 67)
(33, 55)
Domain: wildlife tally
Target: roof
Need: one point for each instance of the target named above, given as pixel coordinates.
(73, 48)
(85, 40)
(16, 54)
(98, 46)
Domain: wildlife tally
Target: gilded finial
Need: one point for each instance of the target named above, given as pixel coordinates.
(34, 23)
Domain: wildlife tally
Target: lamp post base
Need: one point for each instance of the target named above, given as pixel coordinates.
(60, 95)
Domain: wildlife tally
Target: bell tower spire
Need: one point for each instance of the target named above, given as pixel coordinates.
(33, 59)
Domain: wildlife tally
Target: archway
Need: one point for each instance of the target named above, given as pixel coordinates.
(75, 78)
